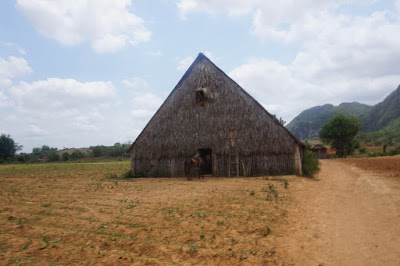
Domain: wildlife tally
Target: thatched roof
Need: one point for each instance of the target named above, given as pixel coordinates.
(318, 147)
(183, 124)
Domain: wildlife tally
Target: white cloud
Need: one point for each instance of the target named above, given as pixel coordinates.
(11, 68)
(56, 94)
(275, 86)
(270, 11)
(341, 57)
(285, 20)
(35, 130)
(135, 83)
(87, 122)
(211, 56)
(145, 106)
(285, 91)
(232, 7)
(142, 113)
(352, 47)
(4, 102)
(15, 46)
(109, 43)
(147, 101)
(154, 53)
(397, 5)
(11, 118)
(185, 63)
(107, 24)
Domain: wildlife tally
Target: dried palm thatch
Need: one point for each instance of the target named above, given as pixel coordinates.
(208, 110)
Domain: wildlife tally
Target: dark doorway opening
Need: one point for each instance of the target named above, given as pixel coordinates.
(205, 155)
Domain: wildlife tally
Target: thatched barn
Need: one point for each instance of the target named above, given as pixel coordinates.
(319, 151)
(210, 114)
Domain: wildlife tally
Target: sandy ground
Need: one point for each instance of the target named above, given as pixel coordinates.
(348, 216)
(63, 214)
(67, 214)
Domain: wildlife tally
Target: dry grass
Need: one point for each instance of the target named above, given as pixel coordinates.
(70, 213)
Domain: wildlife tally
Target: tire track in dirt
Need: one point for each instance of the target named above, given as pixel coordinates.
(347, 217)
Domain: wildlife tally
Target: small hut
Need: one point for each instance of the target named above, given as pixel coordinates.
(210, 114)
(319, 151)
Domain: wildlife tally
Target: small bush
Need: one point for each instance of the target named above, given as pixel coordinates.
(362, 150)
(129, 174)
(286, 183)
(193, 249)
(272, 190)
(111, 176)
(267, 231)
(54, 157)
(395, 151)
(65, 156)
(310, 164)
(376, 154)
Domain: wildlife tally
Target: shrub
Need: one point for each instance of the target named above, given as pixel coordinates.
(53, 157)
(362, 150)
(310, 164)
(65, 156)
(375, 154)
(395, 151)
(25, 158)
(76, 155)
(128, 174)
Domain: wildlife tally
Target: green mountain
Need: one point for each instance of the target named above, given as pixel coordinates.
(383, 113)
(373, 118)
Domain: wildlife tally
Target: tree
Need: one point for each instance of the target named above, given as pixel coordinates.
(340, 132)
(280, 120)
(117, 150)
(98, 151)
(307, 144)
(8, 148)
(76, 155)
(44, 151)
(53, 157)
(65, 156)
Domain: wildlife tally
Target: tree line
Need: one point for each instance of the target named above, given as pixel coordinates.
(340, 132)
(9, 149)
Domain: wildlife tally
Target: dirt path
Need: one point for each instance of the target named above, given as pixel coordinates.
(349, 216)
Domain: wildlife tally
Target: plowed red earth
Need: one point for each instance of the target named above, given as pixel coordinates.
(389, 166)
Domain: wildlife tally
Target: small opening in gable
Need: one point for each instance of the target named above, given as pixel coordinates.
(201, 96)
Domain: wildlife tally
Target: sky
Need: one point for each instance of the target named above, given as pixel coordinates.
(93, 72)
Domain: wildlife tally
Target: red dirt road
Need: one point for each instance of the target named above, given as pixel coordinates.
(348, 216)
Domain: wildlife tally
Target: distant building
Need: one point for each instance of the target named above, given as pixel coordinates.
(319, 151)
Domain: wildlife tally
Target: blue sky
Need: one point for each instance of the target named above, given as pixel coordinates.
(93, 72)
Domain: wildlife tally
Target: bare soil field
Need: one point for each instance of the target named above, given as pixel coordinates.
(76, 214)
(383, 165)
(72, 214)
